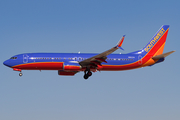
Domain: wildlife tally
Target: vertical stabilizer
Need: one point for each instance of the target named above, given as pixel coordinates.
(157, 43)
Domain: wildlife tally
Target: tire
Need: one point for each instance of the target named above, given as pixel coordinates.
(20, 74)
(86, 76)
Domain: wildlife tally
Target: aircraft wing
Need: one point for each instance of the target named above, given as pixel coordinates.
(98, 59)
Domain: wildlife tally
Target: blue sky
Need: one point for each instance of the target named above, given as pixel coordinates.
(89, 27)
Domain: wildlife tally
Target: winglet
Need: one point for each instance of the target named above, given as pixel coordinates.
(120, 42)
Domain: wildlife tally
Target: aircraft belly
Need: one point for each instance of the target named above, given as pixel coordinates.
(41, 66)
(120, 67)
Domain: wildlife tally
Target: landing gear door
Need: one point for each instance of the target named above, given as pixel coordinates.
(25, 58)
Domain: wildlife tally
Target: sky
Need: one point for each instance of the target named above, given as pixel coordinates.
(88, 26)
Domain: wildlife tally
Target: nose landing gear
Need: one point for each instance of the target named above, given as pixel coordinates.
(16, 69)
(20, 74)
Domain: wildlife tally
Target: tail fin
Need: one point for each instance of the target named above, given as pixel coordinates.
(156, 45)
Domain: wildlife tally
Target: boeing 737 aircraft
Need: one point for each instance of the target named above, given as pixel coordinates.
(71, 63)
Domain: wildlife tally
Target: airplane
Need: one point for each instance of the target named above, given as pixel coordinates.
(69, 64)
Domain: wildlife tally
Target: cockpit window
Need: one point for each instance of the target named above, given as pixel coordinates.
(13, 58)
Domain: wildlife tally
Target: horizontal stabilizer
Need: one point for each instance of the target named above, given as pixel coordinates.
(162, 55)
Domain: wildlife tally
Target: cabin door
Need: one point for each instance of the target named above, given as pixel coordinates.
(25, 58)
(140, 60)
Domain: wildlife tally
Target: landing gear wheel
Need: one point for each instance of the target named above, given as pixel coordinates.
(20, 74)
(86, 76)
(89, 73)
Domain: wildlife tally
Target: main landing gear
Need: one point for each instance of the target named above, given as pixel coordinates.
(87, 74)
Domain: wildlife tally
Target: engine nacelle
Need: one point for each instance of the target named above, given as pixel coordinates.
(66, 73)
(72, 68)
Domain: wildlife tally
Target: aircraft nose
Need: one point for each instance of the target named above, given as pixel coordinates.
(7, 63)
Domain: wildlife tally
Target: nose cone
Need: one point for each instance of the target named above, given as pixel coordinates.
(7, 63)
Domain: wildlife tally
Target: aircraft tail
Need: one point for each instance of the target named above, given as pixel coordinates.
(156, 45)
(153, 52)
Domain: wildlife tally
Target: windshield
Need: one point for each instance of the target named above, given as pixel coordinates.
(13, 58)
